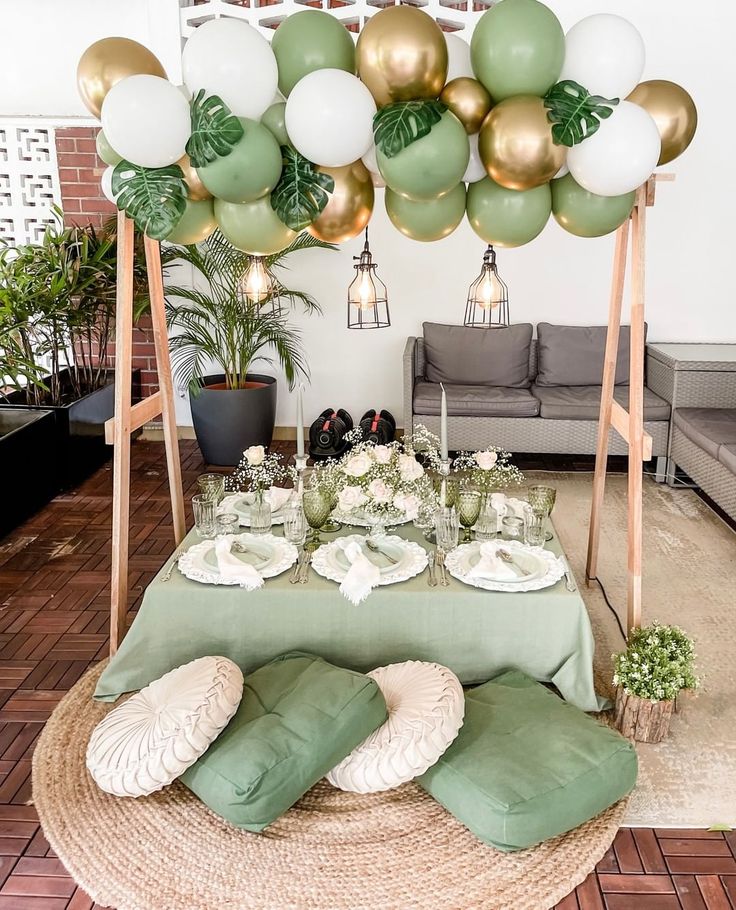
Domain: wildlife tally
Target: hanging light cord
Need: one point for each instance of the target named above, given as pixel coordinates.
(610, 607)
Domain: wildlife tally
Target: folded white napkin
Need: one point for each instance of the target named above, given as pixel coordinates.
(278, 497)
(491, 566)
(229, 566)
(362, 575)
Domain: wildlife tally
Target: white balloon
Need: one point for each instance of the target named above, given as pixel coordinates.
(106, 184)
(329, 117)
(605, 54)
(620, 156)
(458, 58)
(475, 170)
(231, 59)
(146, 120)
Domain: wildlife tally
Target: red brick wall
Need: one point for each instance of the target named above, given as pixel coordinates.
(82, 200)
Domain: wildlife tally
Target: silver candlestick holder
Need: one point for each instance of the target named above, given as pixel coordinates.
(445, 468)
(301, 466)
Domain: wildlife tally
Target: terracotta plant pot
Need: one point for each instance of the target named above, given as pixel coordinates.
(642, 720)
(227, 421)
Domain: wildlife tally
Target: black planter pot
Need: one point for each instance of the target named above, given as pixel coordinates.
(79, 448)
(227, 421)
(27, 435)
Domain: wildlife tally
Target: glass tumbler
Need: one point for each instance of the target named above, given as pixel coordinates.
(227, 523)
(486, 528)
(512, 528)
(295, 523)
(212, 485)
(468, 510)
(261, 516)
(204, 508)
(535, 525)
(447, 528)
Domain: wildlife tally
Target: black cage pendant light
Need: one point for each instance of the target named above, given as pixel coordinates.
(367, 295)
(488, 297)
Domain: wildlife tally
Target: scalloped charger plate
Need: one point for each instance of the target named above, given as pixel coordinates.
(330, 561)
(545, 569)
(268, 554)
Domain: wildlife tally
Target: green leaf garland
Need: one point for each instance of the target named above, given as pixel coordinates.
(215, 129)
(155, 198)
(302, 191)
(398, 125)
(574, 112)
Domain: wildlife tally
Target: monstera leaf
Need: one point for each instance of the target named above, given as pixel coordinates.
(155, 198)
(302, 191)
(215, 129)
(574, 112)
(398, 125)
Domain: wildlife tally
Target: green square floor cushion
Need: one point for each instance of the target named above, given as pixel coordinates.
(298, 718)
(527, 766)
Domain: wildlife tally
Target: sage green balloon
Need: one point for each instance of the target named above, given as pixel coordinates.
(311, 40)
(251, 170)
(431, 166)
(106, 152)
(517, 48)
(253, 227)
(427, 221)
(585, 214)
(196, 224)
(504, 217)
(275, 121)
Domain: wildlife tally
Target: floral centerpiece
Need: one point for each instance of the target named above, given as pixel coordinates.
(658, 664)
(258, 471)
(488, 470)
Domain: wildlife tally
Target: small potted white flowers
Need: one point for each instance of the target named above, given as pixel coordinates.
(657, 665)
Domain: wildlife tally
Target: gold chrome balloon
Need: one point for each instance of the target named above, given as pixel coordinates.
(196, 190)
(108, 61)
(673, 111)
(468, 100)
(516, 146)
(402, 55)
(350, 205)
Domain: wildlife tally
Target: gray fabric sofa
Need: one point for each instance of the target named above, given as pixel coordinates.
(508, 389)
(704, 446)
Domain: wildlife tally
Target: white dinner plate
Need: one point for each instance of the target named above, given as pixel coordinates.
(241, 503)
(268, 554)
(544, 568)
(330, 561)
(359, 519)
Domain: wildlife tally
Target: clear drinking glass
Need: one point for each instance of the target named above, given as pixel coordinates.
(468, 509)
(447, 528)
(512, 528)
(204, 508)
(543, 499)
(317, 508)
(535, 525)
(295, 523)
(486, 528)
(212, 485)
(227, 523)
(261, 516)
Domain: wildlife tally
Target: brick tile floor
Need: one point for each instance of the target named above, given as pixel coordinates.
(54, 601)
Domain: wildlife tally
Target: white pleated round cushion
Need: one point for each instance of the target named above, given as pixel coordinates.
(426, 707)
(158, 733)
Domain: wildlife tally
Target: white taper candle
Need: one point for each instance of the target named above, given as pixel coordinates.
(299, 422)
(443, 425)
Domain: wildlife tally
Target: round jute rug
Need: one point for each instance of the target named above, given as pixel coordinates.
(333, 851)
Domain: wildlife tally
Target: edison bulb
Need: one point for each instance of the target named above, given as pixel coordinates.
(255, 283)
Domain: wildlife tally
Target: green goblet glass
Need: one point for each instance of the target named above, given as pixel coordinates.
(542, 499)
(317, 507)
(468, 510)
(331, 526)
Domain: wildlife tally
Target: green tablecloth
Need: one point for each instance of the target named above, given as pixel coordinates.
(475, 633)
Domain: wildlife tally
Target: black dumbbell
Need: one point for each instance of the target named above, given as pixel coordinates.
(328, 431)
(378, 427)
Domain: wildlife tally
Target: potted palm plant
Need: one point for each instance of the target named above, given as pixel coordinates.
(218, 336)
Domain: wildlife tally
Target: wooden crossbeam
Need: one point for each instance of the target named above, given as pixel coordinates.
(620, 422)
(129, 417)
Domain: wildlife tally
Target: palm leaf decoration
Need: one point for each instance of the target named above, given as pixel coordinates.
(215, 129)
(398, 125)
(574, 112)
(302, 191)
(155, 198)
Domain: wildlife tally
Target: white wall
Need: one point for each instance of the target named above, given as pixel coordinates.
(557, 278)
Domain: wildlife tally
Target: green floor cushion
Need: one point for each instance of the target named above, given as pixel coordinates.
(298, 718)
(527, 766)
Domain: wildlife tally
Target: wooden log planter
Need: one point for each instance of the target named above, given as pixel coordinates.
(642, 720)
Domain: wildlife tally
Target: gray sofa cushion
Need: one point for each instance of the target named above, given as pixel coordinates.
(474, 400)
(583, 402)
(727, 457)
(490, 357)
(708, 428)
(573, 355)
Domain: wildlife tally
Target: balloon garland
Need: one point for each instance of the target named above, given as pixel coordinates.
(522, 124)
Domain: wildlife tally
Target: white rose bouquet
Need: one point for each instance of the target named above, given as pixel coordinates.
(259, 471)
(489, 469)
